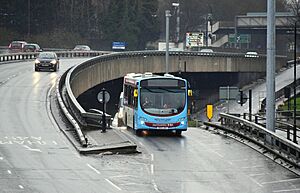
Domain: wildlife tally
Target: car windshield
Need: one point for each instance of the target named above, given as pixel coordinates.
(29, 46)
(162, 100)
(47, 55)
(16, 44)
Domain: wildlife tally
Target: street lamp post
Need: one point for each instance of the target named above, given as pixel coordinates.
(294, 84)
(176, 5)
(28, 22)
(168, 15)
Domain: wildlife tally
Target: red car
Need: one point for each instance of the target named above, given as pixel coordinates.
(16, 46)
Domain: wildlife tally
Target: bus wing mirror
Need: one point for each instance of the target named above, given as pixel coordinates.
(190, 93)
(135, 93)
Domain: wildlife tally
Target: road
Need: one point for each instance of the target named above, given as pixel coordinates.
(36, 157)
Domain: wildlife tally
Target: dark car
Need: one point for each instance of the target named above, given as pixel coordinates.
(46, 60)
(16, 46)
(30, 47)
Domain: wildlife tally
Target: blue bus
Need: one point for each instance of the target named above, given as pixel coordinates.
(155, 103)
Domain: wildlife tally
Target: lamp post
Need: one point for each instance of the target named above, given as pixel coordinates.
(294, 84)
(28, 22)
(168, 15)
(176, 5)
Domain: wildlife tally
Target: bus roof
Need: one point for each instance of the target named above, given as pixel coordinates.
(136, 77)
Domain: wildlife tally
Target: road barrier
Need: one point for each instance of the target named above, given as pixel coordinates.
(62, 54)
(283, 148)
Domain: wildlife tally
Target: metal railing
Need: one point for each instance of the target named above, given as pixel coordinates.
(32, 55)
(256, 133)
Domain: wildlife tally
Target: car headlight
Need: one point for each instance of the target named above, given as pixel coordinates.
(142, 120)
(37, 61)
(53, 62)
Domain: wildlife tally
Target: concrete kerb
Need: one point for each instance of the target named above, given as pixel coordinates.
(124, 146)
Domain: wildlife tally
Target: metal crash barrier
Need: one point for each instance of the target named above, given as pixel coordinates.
(283, 148)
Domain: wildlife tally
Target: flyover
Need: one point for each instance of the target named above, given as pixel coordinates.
(200, 159)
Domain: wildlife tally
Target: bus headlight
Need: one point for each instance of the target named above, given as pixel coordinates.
(182, 120)
(142, 120)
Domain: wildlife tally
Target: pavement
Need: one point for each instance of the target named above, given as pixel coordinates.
(111, 141)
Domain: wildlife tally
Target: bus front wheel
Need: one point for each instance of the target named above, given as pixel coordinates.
(178, 133)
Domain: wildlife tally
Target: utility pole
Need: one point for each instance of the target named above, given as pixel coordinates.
(168, 15)
(28, 22)
(294, 84)
(270, 115)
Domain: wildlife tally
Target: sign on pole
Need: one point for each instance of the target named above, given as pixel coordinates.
(194, 39)
(119, 45)
(228, 93)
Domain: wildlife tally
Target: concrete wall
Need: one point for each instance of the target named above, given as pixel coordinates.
(114, 66)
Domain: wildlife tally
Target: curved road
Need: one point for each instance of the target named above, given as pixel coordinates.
(36, 157)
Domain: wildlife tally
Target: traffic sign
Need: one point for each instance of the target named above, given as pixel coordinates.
(209, 111)
(239, 38)
(228, 92)
(106, 96)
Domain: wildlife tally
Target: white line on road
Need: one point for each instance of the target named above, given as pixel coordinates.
(152, 157)
(21, 187)
(8, 171)
(30, 149)
(249, 167)
(256, 182)
(54, 142)
(93, 168)
(290, 190)
(1, 158)
(114, 185)
(154, 185)
(280, 181)
(152, 169)
(260, 174)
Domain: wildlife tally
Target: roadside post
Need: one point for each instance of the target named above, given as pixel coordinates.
(209, 112)
(103, 97)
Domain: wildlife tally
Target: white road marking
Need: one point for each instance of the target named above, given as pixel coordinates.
(114, 185)
(21, 187)
(1, 158)
(220, 155)
(280, 181)
(256, 182)
(258, 166)
(30, 149)
(93, 168)
(54, 142)
(239, 160)
(260, 174)
(290, 190)
(152, 169)
(122, 176)
(8, 171)
(152, 157)
(154, 185)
